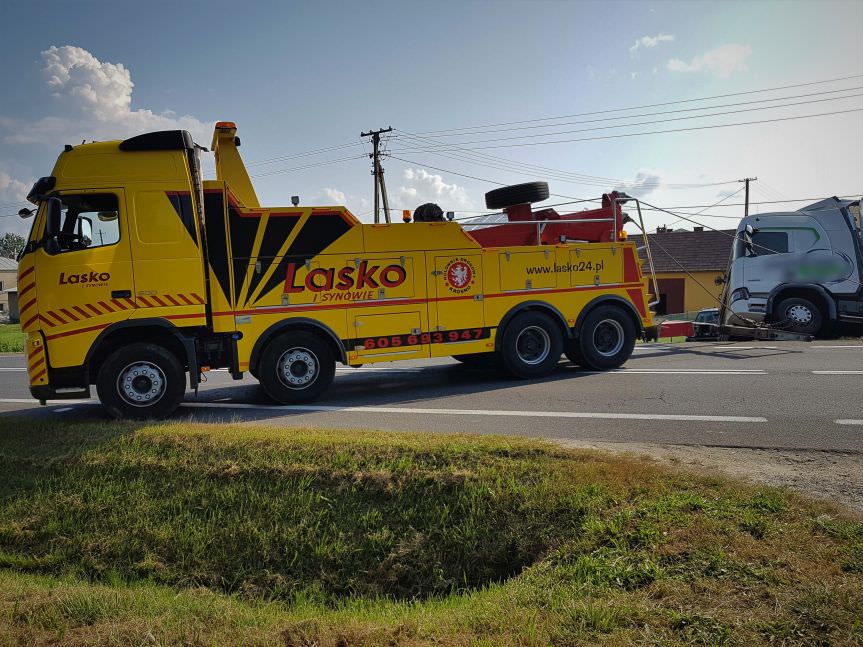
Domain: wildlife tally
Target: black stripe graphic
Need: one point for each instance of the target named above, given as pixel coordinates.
(319, 232)
(217, 245)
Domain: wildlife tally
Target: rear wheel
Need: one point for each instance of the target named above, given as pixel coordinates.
(573, 352)
(531, 345)
(799, 315)
(141, 381)
(296, 367)
(606, 338)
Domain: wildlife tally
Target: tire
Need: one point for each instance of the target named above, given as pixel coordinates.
(296, 367)
(509, 196)
(141, 381)
(606, 338)
(573, 352)
(799, 315)
(531, 345)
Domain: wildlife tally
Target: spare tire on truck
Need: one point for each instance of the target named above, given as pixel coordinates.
(509, 196)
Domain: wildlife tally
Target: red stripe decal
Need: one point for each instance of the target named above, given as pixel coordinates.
(172, 299)
(159, 301)
(82, 312)
(26, 272)
(47, 321)
(186, 299)
(68, 314)
(76, 332)
(28, 305)
(36, 364)
(197, 298)
(33, 353)
(146, 303)
(94, 309)
(131, 303)
(189, 316)
(57, 317)
(401, 302)
(106, 306)
(29, 321)
(638, 300)
(26, 290)
(119, 304)
(38, 375)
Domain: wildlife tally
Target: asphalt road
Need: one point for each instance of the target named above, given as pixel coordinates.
(784, 395)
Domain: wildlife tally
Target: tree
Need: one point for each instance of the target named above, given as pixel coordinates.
(11, 245)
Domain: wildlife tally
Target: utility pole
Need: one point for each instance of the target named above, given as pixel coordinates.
(378, 172)
(747, 180)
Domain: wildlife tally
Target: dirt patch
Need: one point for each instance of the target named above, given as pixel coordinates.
(834, 476)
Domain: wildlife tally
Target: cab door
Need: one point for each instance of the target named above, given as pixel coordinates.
(88, 284)
(456, 315)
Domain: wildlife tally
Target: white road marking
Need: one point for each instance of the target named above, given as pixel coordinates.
(849, 422)
(857, 346)
(62, 409)
(745, 348)
(311, 408)
(669, 371)
(13, 368)
(837, 372)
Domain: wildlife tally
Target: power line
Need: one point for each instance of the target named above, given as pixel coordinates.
(650, 105)
(661, 132)
(305, 166)
(472, 157)
(653, 114)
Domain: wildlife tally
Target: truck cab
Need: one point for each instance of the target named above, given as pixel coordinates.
(800, 271)
(138, 276)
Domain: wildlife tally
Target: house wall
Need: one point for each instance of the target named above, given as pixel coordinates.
(9, 278)
(694, 296)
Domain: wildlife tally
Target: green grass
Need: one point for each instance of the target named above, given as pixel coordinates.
(219, 534)
(11, 338)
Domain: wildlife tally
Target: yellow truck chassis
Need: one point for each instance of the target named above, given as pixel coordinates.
(137, 274)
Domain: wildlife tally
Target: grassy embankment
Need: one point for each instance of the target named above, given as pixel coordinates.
(11, 338)
(193, 534)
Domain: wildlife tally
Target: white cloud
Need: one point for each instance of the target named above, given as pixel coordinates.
(645, 183)
(651, 41)
(335, 196)
(421, 186)
(722, 61)
(94, 101)
(12, 190)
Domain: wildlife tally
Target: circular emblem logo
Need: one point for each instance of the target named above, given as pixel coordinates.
(459, 275)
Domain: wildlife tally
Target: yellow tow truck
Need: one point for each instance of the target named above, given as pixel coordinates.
(137, 273)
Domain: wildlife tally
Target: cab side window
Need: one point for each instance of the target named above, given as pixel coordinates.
(88, 221)
(769, 242)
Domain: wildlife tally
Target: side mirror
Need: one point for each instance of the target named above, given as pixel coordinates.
(52, 224)
(750, 230)
(25, 213)
(85, 231)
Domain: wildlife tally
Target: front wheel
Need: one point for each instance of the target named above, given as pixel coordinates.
(296, 367)
(531, 346)
(141, 381)
(606, 338)
(799, 315)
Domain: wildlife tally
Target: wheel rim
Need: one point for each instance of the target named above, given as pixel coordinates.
(533, 345)
(142, 384)
(799, 315)
(298, 368)
(608, 337)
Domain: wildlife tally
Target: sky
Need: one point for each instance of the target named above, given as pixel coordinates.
(480, 94)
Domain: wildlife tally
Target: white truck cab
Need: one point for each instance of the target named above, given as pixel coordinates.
(800, 271)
